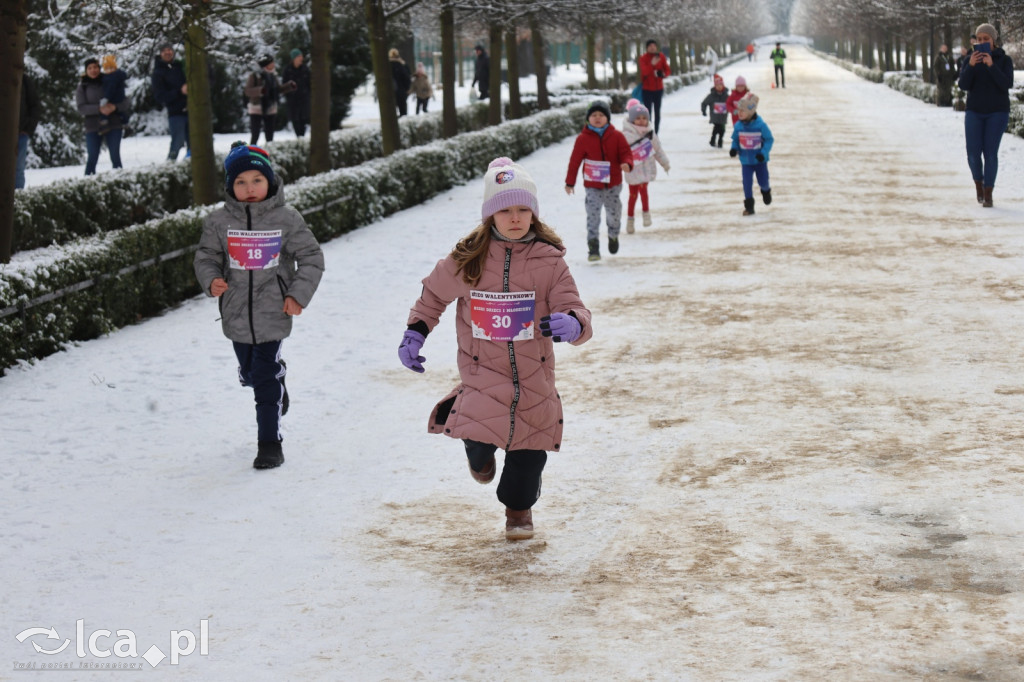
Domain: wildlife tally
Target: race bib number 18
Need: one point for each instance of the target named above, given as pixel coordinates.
(254, 250)
(502, 316)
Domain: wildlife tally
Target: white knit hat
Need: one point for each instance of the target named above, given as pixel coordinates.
(748, 102)
(507, 184)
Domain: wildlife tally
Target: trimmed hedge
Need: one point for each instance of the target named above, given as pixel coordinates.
(371, 191)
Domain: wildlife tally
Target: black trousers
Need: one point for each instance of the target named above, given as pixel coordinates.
(780, 70)
(421, 103)
(519, 485)
(256, 122)
(718, 131)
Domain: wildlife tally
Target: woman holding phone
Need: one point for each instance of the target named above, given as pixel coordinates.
(987, 78)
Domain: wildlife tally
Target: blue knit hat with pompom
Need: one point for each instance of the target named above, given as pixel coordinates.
(244, 157)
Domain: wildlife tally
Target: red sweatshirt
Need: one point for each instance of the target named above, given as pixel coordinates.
(650, 80)
(611, 147)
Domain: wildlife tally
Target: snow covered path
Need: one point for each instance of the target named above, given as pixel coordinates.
(793, 448)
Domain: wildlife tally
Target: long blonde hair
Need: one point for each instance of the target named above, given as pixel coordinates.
(470, 253)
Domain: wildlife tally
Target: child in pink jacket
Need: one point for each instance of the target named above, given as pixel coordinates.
(514, 296)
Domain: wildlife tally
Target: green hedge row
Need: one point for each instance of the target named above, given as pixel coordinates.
(372, 190)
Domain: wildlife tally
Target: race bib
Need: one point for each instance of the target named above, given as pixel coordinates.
(720, 107)
(643, 150)
(750, 140)
(502, 316)
(597, 171)
(254, 250)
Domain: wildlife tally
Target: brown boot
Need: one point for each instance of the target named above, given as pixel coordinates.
(518, 524)
(980, 189)
(988, 198)
(485, 476)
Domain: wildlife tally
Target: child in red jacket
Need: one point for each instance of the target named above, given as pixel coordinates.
(605, 155)
(735, 96)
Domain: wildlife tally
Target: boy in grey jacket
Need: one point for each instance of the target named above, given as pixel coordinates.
(263, 262)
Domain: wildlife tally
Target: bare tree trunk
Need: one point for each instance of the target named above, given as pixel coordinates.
(591, 58)
(624, 55)
(377, 24)
(320, 103)
(926, 62)
(540, 65)
(494, 111)
(200, 108)
(615, 66)
(450, 121)
(14, 20)
(515, 102)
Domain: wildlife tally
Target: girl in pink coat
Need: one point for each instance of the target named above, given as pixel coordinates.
(514, 296)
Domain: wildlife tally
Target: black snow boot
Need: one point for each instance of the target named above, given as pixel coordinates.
(594, 250)
(748, 206)
(269, 455)
(613, 245)
(766, 194)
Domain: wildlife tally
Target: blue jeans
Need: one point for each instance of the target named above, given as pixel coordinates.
(761, 170)
(19, 168)
(178, 124)
(260, 368)
(984, 132)
(652, 100)
(93, 144)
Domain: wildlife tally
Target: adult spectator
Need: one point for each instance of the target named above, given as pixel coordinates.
(946, 74)
(28, 119)
(750, 52)
(298, 94)
(965, 54)
(170, 90)
(711, 59)
(654, 69)
(401, 80)
(778, 56)
(88, 97)
(987, 78)
(482, 72)
(262, 89)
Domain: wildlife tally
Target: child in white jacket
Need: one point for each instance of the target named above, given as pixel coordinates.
(646, 149)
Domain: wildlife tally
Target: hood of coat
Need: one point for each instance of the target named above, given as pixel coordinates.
(158, 61)
(256, 209)
(531, 249)
(635, 132)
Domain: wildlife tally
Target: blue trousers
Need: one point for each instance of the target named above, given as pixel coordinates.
(652, 100)
(761, 171)
(19, 168)
(984, 132)
(178, 125)
(93, 144)
(260, 367)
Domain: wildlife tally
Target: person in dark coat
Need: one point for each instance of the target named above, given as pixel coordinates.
(482, 74)
(262, 90)
(170, 90)
(401, 79)
(298, 76)
(946, 74)
(987, 78)
(94, 107)
(28, 119)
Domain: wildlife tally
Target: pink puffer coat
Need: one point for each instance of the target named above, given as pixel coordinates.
(507, 396)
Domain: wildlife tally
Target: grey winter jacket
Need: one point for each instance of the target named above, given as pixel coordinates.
(252, 307)
(88, 96)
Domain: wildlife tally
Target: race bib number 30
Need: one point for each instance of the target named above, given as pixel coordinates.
(643, 149)
(597, 171)
(750, 140)
(254, 250)
(502, 316)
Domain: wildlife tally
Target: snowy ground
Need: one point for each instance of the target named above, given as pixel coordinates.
(139, 151)
(792, 448)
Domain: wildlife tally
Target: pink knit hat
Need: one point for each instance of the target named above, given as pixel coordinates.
(740, 80)
(507, 184)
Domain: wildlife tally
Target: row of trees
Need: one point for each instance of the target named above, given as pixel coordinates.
(343, 38)
(893, 35)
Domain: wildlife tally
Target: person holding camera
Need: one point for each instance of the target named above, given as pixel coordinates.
(987, 78)
(654, 69)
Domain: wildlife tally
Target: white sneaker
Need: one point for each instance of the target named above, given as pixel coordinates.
(630, 227)
(647, 218)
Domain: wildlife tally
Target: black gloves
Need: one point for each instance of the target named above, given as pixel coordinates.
(734, 152)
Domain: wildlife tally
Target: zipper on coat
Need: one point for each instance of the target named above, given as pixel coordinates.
(511, 360)
(252, 325)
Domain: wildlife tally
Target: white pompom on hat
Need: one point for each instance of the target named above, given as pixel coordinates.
(507, 184)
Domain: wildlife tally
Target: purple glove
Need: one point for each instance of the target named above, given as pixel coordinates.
(409, 350)
(560, 327)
